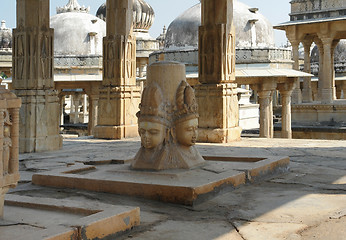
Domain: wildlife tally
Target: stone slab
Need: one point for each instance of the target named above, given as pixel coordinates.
(192, 230)
(53, 219)
(187, 187)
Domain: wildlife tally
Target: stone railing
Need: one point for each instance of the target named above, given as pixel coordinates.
(243, 56)
(311, 9)
(9, 140)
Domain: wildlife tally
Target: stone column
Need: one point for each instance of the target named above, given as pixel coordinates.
(119, 95)
(217, 94)
(320, 70)
(33, 77)
(327, 95)
(286, 92)
(62, 102)
(76, 98)
(334, 44)
(264, 91)
(307, 91)
(297, 94)
(93, 111)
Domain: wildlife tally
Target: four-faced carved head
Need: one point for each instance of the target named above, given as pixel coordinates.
(156, 118)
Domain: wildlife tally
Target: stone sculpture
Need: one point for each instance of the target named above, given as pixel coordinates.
(167, 120)
(9, 139)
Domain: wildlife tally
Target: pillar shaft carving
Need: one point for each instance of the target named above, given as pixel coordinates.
(33, 46)
(217, 42)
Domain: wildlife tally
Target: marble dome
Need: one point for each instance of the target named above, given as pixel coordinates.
(76, 32)
(143, 15)
(5, 36)
(182, 33)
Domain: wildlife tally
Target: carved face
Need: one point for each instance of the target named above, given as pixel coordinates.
(186, 132)
(152, 134)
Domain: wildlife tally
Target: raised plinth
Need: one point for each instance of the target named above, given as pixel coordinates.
(51, 219)
(179, 186)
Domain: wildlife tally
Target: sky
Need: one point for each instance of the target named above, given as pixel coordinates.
(166, 11)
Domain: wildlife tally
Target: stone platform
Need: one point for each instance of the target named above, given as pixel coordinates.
(54, 219)
(308, 202)
(187, 187)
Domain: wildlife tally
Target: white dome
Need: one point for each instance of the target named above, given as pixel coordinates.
(183, 31)
(77, 33)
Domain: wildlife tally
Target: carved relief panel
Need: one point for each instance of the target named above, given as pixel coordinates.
(32, 58)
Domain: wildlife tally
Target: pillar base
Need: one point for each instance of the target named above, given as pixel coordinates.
(218, 135)
(39, 121)
(218, 110)
(116, 132)
(3, 191)
(296, 96)
(327, 96)
(40, 144)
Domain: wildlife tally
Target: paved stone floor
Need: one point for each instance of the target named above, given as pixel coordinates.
(309, 202)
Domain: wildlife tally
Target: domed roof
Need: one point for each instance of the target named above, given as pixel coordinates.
(5, 36)
(183, 31)
(143, 15)
(77, 32)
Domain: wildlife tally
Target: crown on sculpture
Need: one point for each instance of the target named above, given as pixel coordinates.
(72, 6)
(186, 105)
(152, 106)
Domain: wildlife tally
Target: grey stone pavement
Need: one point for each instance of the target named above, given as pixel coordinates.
(308, 202)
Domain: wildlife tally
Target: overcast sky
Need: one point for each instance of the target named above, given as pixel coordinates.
(166, 11)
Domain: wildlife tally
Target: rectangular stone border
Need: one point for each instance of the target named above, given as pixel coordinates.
(189, 188)
(103, 220)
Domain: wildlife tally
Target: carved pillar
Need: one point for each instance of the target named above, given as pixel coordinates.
(334, 44)
(286, 92)
(76, 99)
(217, 94)
(297, 94)
(119, 95)
(93, 111)
(320, 70)
(62, 102)
(33, 77)
(264, 91)
(328, 65)
(307, 91)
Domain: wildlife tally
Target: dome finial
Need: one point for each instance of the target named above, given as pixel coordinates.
(3, 24)
(72, 6)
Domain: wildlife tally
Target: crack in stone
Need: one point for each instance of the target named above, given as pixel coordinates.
(20, 224)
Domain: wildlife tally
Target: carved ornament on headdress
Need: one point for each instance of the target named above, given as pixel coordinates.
(186, 105)
(153, 108)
